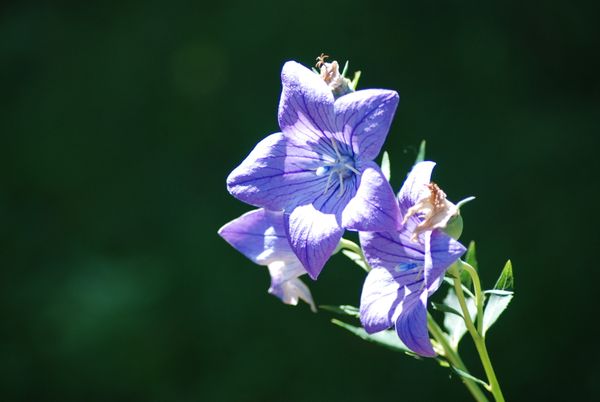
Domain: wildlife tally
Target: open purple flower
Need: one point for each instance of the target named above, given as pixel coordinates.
(260, 236)
(319, 170)
(409, 264)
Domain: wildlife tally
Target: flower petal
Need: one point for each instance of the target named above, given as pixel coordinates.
(271, 177)
(259, 235)
(363, 119)
(286, 285)
(313, 236)
(306, 111)
(414, 186)
(378, 301)
(374, 207)
(441, 251)
(411, 324)
(392, 250)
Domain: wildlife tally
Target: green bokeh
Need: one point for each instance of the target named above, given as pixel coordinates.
(119, 123)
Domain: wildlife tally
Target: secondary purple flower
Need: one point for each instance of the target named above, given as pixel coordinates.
(409, 264)
(320, 168)
(260, 236)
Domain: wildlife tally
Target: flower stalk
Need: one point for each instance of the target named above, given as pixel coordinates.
(476, 334)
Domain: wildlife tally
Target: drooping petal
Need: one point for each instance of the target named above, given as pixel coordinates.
(415, 185)
(411, 324)
(380, 296)
(374, 207)
(441, 251)
(286, 285)
(363, 119)
(313, 236)
(271, 177)
(259, 235)
(306, 111)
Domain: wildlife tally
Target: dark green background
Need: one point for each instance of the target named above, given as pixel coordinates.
(120, 122)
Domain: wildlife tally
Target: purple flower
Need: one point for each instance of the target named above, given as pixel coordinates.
(260, 236)
(319, 170)
(409, 264)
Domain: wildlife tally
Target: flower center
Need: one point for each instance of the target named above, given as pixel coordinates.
(434, 210)
(341, 168)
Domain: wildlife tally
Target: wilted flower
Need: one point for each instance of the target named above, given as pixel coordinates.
(320, 168)
(260, 236)
(409, 264)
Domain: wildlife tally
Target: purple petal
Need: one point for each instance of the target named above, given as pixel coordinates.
(374, 207)
(286, 285)
(259, 235)
(414, 186)
(392, 250)
(313, 236)
(275, 178)
(411, 324)
(364, 119)
(441, 251)
(306, 111)
(380, 295)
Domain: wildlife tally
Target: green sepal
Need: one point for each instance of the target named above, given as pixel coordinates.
(499, 297)
(356, 258)
(342, 310)
(385, 166)
(388, 339)
(454, 227)
(345, 69)
(354, 82)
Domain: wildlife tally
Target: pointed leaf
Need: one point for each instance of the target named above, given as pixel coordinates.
(468, 376)
(385, 165)
(388, 339)
(421, 153)
(445, 309)
(506, 280)
(455, 324)
(342, 310)
(499, 298)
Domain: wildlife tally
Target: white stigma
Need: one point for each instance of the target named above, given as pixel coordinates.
(342, 166)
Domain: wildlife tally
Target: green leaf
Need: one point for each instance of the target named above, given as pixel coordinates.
(356, 258)
(445, 309)
(470, 259)
(388, 339)
(421, 153)
(342, 310)
(506, 280)
(385, 165)
(499, 298)
(468, 376)
(455, 324)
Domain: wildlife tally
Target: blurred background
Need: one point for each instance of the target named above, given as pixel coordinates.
(119, 122)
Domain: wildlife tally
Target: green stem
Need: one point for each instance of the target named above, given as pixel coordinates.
(454, 359)
(479, 341)
(479, 296)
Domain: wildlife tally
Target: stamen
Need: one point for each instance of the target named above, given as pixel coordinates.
(328, 183)
(341, 183)
(351, 168)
